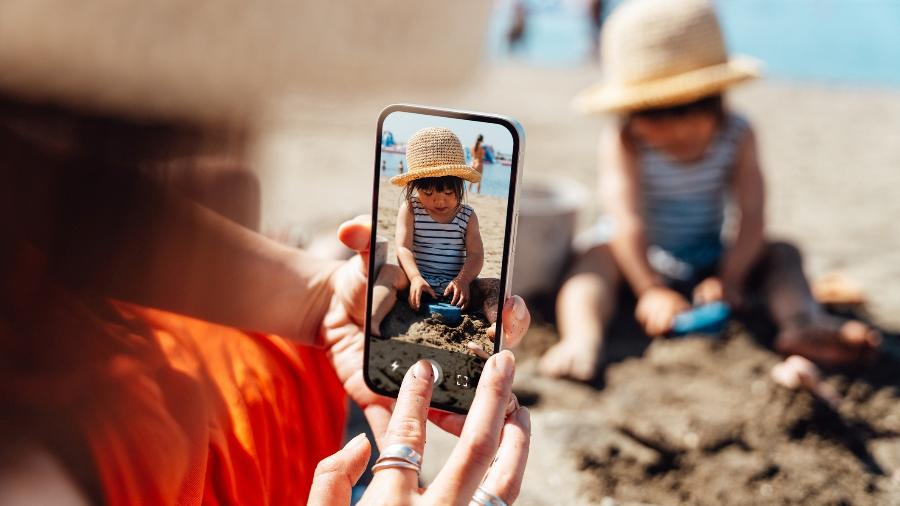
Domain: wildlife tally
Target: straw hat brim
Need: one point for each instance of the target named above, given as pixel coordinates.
(668, 91)
(461, 171)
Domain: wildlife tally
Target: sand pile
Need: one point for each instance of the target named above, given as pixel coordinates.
(406, 325)
(698, 421)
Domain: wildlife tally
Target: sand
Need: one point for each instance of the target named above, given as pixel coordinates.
(690, 421)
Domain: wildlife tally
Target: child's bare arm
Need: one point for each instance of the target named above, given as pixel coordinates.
(458, 289)
(474, 252)
(749, 193)
(404, 237)
(405, 230)
(620, 191)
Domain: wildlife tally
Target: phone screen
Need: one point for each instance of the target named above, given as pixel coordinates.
(443, 233)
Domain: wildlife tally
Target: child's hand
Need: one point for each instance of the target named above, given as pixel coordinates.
(416, 286)
(709, 290)
(657, 308)
(714, 289)
(459, 292)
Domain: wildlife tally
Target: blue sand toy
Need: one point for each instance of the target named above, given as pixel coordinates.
(706, 319)
(450, 313)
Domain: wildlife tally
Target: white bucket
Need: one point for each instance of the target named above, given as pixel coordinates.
(548, 211)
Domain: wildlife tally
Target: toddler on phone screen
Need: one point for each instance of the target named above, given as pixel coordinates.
(438, 241)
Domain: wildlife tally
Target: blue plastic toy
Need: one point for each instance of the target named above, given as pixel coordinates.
(450, 313)
(706, 319)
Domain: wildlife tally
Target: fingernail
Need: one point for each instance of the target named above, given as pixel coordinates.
(519, 310)
(505, 363)
(356, 441)
(423, 370)
(523, 416)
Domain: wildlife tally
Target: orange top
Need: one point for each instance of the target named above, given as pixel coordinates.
(172, 410)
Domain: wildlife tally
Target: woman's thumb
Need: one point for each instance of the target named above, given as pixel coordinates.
(335, 475)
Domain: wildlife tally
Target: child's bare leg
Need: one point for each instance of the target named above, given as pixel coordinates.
(584, 308)
(485, 296)
(391, 278)
(804, 327)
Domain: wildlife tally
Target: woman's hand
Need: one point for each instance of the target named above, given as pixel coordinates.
(342, 332)
(490, 455)
(417, 286)
(458, 290)
(657, 308)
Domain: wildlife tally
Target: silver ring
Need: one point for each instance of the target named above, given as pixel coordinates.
(485, 498)
(401, 452)
(395, 463)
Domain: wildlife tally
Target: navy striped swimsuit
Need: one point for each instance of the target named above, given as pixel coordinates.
(685, 205)
(439, 248)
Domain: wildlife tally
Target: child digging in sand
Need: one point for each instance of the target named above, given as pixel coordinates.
(670, 167)
(439, 244)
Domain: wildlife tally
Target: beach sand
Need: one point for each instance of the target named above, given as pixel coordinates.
(690, 421)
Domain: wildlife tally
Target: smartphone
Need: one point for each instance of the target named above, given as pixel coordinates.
(444, 216)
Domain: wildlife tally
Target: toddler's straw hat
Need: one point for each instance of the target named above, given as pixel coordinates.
(660, 53)
(435, 152)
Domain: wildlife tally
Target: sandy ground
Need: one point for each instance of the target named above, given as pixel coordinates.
(690, 422)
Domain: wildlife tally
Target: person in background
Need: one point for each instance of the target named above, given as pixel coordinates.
(478, 162)
(595, 16)
(672, 167)
(515, 36)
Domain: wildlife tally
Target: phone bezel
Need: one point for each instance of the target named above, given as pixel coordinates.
(517, 133)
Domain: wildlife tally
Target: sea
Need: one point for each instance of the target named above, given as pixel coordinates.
(840, 42)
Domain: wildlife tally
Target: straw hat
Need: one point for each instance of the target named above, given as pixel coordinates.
(435, 152)
(660, 53)
(215, 60)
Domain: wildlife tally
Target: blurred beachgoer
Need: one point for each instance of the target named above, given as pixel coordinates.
(154, 349)
(478, 162)
(516, 33)
(669, 170)
(595, 15)
(384, 166)
(400, 167)
(439, 245)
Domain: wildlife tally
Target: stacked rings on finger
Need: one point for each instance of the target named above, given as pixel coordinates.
(485, 498)
(399, 455)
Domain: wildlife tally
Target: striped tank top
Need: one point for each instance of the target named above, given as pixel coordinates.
(685, 203)
(439, 248)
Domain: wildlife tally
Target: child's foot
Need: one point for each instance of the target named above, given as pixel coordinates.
(830, 341)
(572, 359)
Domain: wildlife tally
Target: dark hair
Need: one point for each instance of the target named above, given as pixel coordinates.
(436, 184)
(712, 104)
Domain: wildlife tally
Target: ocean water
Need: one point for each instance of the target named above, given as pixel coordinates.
(852, 42)
(494, 179)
